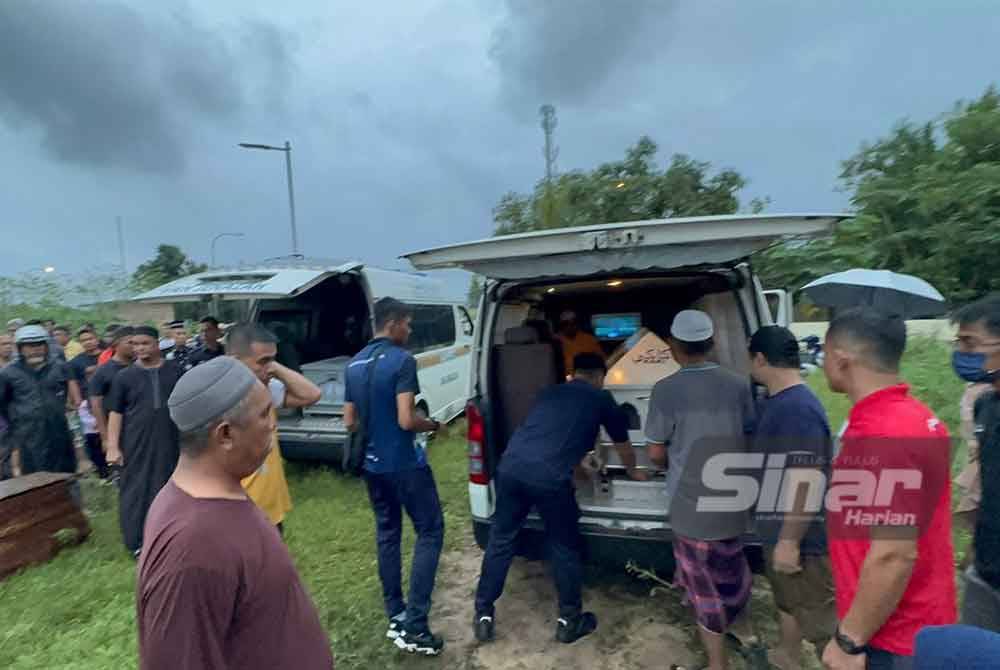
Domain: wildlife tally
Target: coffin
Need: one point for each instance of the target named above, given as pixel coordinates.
(37, 519)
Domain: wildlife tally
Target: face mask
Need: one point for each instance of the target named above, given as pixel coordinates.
(971, 367)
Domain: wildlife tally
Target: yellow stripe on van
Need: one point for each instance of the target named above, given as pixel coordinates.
(437, 358)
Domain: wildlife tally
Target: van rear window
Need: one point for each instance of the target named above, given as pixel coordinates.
(433, 327)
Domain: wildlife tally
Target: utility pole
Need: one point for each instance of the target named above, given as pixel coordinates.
(121, 246)
(551, 152)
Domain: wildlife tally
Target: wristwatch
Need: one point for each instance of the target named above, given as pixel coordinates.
(847, 645)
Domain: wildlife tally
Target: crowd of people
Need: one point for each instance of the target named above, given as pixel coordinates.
(866, 575)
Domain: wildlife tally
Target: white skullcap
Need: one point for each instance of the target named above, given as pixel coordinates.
(692, 325)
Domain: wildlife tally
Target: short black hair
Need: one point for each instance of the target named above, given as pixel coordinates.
(211, 320)
(779, 346)
(122, 332)
(241, 336)
(390, 309)
(33, 322)
(112, 327)
(85, 329)
(985, 311)
(695, 348)
(880, 338)
(589, 363)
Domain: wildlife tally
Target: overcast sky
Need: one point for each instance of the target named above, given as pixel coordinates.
(410, 119)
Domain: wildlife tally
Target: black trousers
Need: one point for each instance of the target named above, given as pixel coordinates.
(95, 452)
(561, 515)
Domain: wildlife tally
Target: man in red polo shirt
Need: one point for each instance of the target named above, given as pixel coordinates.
(888, 507)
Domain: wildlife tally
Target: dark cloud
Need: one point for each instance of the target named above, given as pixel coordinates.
(563, 51)
(107, 86)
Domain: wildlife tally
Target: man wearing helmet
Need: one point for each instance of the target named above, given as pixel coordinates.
(34, 391)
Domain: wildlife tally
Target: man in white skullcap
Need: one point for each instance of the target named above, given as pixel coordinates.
(217, 588)
(700, 412)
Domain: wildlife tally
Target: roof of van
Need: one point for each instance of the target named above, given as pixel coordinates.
(288, 276)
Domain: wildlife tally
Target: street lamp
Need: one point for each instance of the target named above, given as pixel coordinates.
(291, 193)
(48, 269)
(219, 237)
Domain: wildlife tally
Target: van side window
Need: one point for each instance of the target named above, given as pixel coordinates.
(467, 327)
(433, 328)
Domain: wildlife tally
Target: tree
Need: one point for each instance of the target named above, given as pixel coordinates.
(631, 189)
(928, 203)
(170, 263)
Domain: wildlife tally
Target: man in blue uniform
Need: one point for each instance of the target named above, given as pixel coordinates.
(537, 472)
(380, 401)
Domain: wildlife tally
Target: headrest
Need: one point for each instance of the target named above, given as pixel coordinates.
(521, 335)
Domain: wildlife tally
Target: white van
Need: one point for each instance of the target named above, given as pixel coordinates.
(322, 314)
(626, 282)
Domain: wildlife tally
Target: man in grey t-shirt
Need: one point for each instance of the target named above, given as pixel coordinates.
(699, 412)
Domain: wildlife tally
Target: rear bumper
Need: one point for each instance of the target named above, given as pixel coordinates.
(651, 549)
(312, 440)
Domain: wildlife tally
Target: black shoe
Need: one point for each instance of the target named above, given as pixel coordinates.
(485, 631)
(569, 631)
(396, 624)
(425, 643)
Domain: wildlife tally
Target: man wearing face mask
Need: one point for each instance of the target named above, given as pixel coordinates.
(977, 360)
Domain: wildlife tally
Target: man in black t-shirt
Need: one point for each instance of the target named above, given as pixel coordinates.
(977, 359)
(82, 368)
(100, 383)
(210, 345)
(793, 424)
(537, 471)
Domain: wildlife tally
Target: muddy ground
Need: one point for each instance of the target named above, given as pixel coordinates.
(637, 630)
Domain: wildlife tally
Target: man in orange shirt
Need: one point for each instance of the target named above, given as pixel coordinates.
(575, 341)
(256, 347)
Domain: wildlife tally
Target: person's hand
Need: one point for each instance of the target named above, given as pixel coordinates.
(637, 475)
(834, 658)
(114, 455)
(786, 557)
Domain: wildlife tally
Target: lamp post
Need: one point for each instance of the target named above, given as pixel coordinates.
(291, 191)
(219, 237)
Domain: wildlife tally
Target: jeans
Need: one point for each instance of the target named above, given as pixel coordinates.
(416, 492)
(558, 509)
(95, 453)
(981, 604)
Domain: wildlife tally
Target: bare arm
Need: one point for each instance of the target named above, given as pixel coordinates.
(97, 409)
(885, 574)
(299, 391)
(657, 454)
(114, 435)
(73, 393)
(350, 417)
(406, 411)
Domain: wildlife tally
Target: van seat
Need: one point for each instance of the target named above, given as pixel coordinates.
(524, 367)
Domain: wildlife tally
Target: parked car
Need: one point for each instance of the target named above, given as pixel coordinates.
(322, 314)
(620, 278)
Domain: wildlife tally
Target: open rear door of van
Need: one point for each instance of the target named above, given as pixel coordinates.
(637, 246)
(245, 284)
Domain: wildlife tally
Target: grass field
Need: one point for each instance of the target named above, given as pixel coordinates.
(78, 612)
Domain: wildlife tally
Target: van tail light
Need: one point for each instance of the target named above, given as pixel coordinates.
(477, 439)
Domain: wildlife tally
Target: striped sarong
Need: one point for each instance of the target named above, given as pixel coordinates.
(716, 578)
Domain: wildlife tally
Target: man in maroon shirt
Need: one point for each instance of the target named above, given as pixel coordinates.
(888, 506)
(217, 588)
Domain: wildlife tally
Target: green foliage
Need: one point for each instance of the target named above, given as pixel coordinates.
(78, 611)
(170, 263)
(631, 189)
(65, 300)
(928, 204)
(475, 292)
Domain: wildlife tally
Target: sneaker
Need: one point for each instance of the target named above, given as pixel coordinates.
(485, 631)
(425, 643)
(396, 626)
(569, 631)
